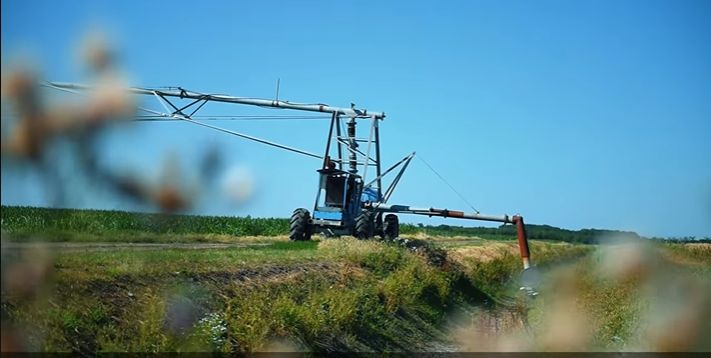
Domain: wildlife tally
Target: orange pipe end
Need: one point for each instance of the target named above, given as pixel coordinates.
(522, 240)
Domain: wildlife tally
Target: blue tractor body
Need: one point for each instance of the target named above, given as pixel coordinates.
(339, 201)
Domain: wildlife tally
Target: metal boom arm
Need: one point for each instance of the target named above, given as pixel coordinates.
(516, 220)
(182, 93)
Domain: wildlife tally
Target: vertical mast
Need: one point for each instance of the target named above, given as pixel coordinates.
(352, 158)
(377, 160)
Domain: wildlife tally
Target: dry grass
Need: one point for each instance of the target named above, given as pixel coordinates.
(487, 253)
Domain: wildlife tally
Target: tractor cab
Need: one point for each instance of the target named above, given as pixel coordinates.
(338, 201)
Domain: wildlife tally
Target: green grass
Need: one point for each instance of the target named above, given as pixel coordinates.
(337, 294)
(321, 295)
(71, 224)
(120, 300)
(154, 263)
(85, 225)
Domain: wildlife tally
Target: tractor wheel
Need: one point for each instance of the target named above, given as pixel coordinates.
(364, 226)
(391, 227)
(300, 226)
(378, 222)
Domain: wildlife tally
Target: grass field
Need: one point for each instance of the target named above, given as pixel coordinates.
(419, 293)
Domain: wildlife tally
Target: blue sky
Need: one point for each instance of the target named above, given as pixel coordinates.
(576, 114)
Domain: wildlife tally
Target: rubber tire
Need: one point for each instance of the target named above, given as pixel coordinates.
(300, 225)
(391, 227)
(378, 222)
(364, 226)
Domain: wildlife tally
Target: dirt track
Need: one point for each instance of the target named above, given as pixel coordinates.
(98, 246)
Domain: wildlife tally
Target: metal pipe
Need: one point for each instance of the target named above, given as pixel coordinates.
(516, 220)
(391, 188)
(522, 241)
(441, 212)
(367, 148)
(359, 140)
(181, 93)
(407, 158)
(377, 161)
(326, 156)
(345, 143)
(338, 134)
(352, 145)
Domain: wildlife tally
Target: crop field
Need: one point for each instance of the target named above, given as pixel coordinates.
(101, 281)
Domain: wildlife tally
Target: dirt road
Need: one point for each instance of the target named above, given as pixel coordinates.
(98, 246)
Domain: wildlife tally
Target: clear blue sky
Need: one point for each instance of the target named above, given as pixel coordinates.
(576, 114)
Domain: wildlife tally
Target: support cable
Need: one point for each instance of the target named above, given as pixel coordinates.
(155, 118)
(449, 185)
(180, 116)
(241, 135)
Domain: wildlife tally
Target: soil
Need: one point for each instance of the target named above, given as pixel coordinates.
(98, 246)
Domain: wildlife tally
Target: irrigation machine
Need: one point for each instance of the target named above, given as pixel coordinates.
(348, 202)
